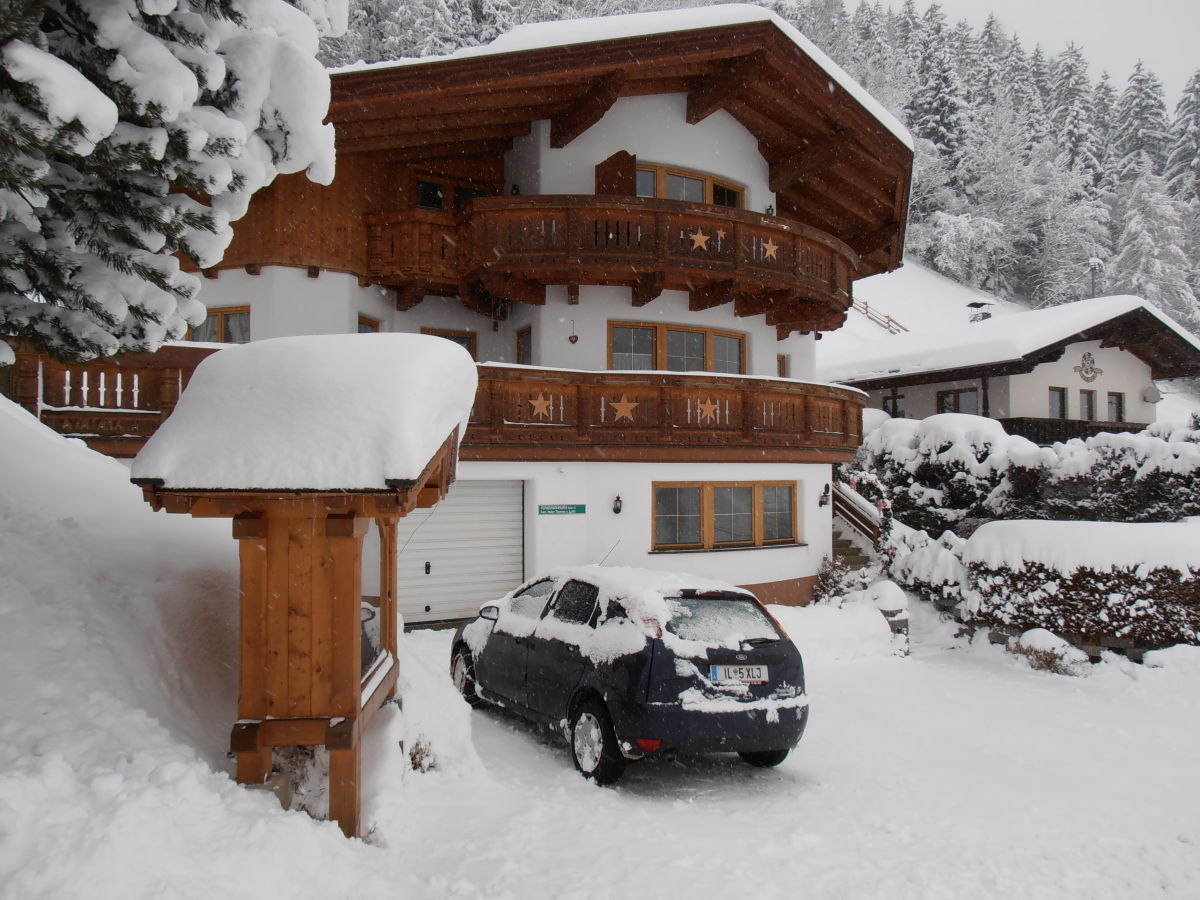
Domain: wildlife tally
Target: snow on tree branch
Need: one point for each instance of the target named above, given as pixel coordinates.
(132, 130)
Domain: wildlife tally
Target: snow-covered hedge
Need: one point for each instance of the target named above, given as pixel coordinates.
(1093, 582)
(949, 471)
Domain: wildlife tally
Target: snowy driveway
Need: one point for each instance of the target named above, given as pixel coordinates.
(958, 772)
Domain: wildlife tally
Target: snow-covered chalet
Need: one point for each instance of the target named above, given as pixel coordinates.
(638, 226)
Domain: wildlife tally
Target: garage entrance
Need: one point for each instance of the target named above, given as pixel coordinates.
(461, 553)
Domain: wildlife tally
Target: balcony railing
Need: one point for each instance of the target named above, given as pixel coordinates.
(113, 404)
(549, 414)
(610, 240)
(520, 413)
(1050, 431)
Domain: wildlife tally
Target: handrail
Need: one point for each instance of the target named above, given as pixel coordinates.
(852, 508)
(883, 321)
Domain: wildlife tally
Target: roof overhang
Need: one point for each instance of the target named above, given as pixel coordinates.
(833, 163)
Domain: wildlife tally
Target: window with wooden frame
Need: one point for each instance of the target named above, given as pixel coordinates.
(674, 183)
(675, 348)
(367, 325)
(959, 400)
(723, 515)
(224, 325)
(1058, 403)
(1087, 405)
(894, 405)
(783, 365)
(465, 339)
(525, 346)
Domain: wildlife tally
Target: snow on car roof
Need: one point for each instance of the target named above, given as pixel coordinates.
(324, 412)
(631, 582)
(537, 35)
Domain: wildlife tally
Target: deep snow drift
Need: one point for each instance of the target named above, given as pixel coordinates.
(957, 772)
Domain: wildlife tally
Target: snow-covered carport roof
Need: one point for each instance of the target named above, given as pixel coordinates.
(838, 160)
(1017, 343)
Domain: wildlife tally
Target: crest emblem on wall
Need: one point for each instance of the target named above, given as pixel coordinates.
(1087, 369)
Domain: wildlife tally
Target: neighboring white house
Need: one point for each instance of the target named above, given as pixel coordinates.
(1049, 374)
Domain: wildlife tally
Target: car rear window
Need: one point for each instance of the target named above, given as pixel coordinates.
(718, 620)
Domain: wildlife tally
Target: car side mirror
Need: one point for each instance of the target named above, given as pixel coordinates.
(491, 613)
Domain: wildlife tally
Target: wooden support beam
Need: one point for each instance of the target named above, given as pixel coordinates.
(503, 286)
(728, 82)
(816, 157)
(586, 110)
(715, 294)
(345, 801)
(867, 242)
(647, 287)
(410, 293)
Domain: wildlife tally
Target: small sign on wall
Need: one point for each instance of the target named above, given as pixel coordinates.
(561, 509)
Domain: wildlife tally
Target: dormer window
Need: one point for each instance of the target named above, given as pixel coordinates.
(673, 183)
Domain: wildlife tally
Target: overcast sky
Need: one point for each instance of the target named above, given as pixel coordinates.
(1114, 34)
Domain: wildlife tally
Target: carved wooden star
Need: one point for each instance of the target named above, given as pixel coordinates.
(623, 409)
(720, 234)
(769, 249)
(708, 409)
(540, 405)
(700, 239)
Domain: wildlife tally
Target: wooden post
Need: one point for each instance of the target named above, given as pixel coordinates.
(345, 797)
(250, 530)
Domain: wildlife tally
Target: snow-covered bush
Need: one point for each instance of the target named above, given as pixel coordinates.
(1047, 651)
(132, 130)
(933, 570)
(949, 471)
(946, 470)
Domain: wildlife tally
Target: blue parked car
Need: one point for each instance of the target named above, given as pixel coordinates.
(631, 663)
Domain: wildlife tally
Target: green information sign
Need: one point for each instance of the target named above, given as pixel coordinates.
(561, 509)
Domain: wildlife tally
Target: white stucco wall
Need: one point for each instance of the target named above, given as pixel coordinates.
(653, 129)
(1122, 372)
(625, 539)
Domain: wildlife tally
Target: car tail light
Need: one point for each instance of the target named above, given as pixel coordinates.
(648, 745)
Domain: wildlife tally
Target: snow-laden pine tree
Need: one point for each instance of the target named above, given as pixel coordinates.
(937, 110)
(131, 130)
(1182, 169)
(1149, 259)
(1140, 128)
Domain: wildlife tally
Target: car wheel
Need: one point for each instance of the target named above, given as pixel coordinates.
(764, 759)
(594, 743)
(462, 673)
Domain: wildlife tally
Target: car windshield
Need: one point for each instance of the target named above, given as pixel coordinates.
(719, 620)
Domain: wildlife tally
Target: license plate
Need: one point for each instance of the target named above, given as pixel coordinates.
(744, 674)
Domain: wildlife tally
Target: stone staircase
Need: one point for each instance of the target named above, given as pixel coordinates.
(845, 552)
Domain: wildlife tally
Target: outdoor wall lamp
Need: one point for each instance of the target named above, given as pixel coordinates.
(617, 505)
(824, 496)
(516, 191)
(770, 209)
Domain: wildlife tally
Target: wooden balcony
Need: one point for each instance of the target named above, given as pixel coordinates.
(548, 414)
(113, 404)
(520, 413)
(503, 249)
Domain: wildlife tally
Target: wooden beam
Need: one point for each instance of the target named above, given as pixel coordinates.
(586, 110)
(867, 242)
(647, 287)
(817, 156)
(410, 293)
(716, 293)
(728, 82)
(501, 285)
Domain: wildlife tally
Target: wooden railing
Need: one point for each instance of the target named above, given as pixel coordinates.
(588, 239)
(886, 322)
(113, 404)
(523, 414)
(1050, 431)
(853, 509)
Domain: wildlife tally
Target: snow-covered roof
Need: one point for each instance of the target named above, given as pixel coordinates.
(539, 35)
(992, 341)
(328, 412)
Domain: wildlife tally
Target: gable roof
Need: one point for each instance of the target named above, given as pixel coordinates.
(838, 160)
(1018, 342)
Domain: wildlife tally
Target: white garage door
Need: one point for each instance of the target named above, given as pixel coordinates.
(464, 551)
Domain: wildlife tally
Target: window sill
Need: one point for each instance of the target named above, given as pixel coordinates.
(729, 549)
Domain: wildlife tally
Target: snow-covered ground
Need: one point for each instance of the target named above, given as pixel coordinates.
(955, 772)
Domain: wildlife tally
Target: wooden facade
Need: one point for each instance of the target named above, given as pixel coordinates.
(841, 179)
(304, 679)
